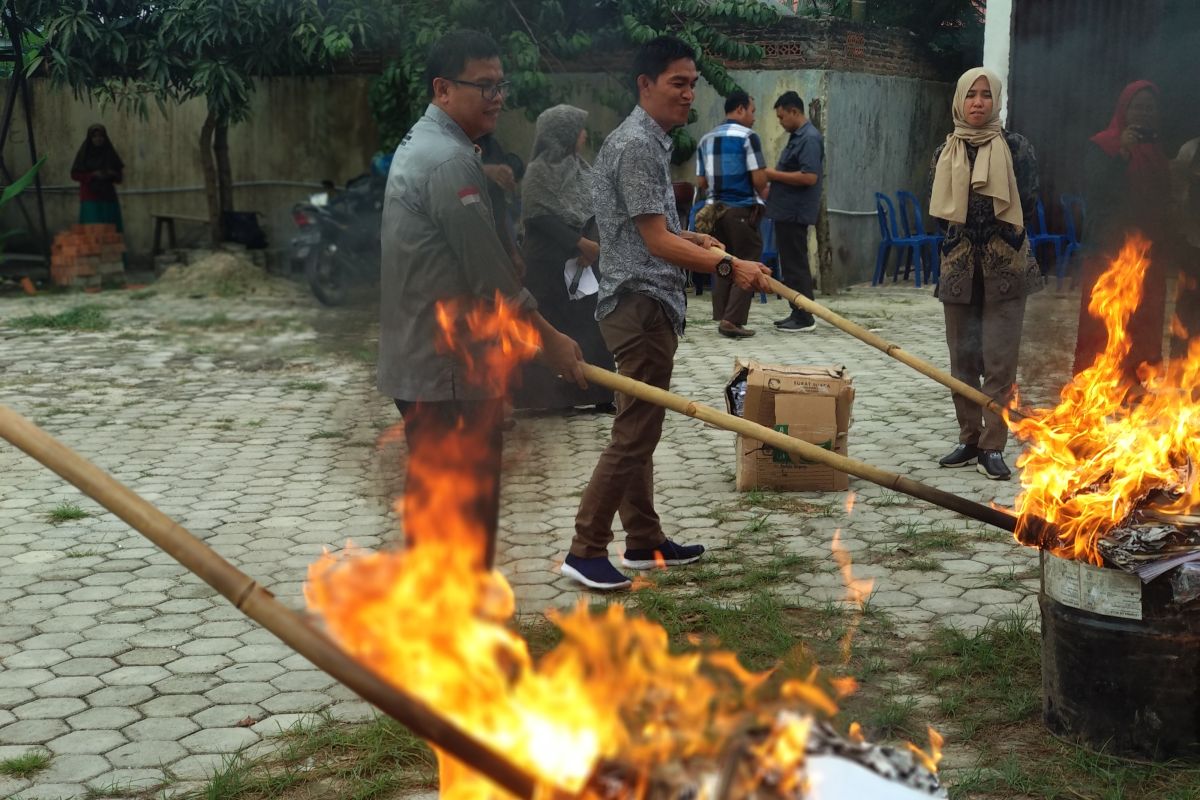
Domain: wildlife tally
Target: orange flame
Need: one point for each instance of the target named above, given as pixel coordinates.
(858, 591)
(1110, 442)
(932, 757)
(432, 620)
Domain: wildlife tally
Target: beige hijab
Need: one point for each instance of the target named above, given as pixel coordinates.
(993, 173)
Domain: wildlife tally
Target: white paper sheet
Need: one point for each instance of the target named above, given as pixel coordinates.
(588, 285)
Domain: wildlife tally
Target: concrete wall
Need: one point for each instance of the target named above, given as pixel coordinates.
(301, 130)
(880, 132)
(880, 136)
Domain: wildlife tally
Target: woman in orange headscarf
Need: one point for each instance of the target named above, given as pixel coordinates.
(1128, 190)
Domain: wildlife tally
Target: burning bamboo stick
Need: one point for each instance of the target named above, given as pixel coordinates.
(260, 605)
(799, 448)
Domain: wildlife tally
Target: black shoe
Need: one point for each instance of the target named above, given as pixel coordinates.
(783, 321)
(667, 554)
(797, 326)
(595, 573)
(991, 463)
(961, 456)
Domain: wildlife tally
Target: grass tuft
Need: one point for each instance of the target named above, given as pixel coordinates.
(25, 765)
(82, 553)
(321, 757)
(80, 318)
(65, 512)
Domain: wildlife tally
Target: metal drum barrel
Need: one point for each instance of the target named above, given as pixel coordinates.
(1120, 663)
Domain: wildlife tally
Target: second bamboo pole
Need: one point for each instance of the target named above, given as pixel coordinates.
(799, 448)
(889, 348)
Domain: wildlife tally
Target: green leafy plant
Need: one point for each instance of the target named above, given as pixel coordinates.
(14, 189)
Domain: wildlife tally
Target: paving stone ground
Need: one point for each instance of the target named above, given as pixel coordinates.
(253, 422)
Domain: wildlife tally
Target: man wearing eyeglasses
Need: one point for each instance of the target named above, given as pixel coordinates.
(439, 243)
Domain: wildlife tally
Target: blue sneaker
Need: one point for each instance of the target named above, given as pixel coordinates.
(667, 554)
(595, 573)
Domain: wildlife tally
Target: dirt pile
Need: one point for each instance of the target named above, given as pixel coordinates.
(222, 275)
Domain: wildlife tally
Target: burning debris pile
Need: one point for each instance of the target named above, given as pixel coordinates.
(1113, 468)
(611, 712)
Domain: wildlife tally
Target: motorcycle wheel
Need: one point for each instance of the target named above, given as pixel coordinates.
(326, 277)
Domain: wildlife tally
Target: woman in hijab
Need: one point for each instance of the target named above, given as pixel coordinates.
(559, 244)
(1128, 189)
(984, 189)
(98, 169)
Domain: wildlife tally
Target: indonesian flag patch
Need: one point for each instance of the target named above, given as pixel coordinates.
(468, 195)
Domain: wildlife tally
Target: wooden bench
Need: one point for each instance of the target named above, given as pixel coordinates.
(167, 221)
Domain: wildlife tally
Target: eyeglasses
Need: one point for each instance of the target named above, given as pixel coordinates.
(489, 91)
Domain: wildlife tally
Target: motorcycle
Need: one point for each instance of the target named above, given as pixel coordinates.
(338, 241)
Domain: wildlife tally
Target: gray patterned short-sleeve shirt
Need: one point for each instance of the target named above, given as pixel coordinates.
(632, 177)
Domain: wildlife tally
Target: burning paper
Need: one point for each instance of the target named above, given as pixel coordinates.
(1113, 450)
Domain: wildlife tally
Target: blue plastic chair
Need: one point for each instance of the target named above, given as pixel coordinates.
(1074, 209)
(1041, 237)
(770, 252)
(913, 227)
(890, 238)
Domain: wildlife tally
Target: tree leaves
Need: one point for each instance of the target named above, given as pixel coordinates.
(184, 49)
(537, 35)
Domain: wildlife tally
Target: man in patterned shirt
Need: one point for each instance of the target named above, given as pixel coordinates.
(731, 168)
(641, 307)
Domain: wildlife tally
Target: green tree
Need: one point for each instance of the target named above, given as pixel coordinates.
(537, 36)
(125, 53)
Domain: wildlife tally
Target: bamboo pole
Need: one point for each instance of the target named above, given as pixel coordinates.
(889, 348)
(799, 448)
(260, 605)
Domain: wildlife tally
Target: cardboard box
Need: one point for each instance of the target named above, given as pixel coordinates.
(810, 403)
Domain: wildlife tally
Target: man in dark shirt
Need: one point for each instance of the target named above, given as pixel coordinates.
(641, 310)
(794, 202)
(439, 243)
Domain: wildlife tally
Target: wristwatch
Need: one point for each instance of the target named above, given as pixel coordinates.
(725, 267)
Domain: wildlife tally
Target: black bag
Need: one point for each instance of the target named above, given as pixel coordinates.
(242, 227)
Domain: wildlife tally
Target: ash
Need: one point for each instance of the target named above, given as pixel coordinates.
(737, 775)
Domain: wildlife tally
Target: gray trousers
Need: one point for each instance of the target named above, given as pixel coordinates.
(984, 340)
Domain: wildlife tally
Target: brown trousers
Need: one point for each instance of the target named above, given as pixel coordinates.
(984, 340)
(737, 229)
(641, 338)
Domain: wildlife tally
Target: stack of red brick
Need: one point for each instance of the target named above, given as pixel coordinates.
(86, 254)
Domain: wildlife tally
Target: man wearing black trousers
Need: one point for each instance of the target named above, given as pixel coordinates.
(794, 201)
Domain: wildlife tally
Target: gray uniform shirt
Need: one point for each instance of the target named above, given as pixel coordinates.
(439, 243)
(632, 177)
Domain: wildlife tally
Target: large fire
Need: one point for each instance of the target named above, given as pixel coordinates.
(433, 621)
(1112, 445)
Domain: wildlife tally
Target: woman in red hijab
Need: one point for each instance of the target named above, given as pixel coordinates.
(1128, 189)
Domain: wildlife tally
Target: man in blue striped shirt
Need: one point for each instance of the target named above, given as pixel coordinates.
(731, 168)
